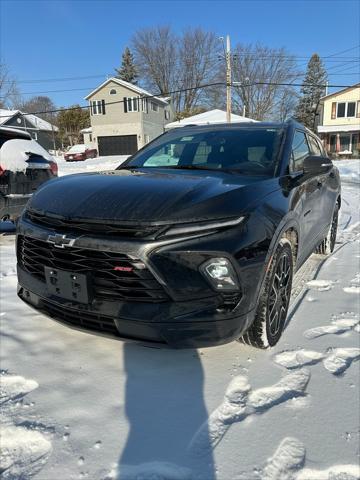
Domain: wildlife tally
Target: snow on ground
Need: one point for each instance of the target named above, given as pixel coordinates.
(91, 165)
(75, 405)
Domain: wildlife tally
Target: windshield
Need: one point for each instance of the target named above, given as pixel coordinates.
(249, 151)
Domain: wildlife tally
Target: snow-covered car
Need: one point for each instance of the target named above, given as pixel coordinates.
(80, 152)
(24, 166)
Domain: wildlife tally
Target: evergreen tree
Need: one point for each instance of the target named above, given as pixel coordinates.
(127, 71)
(312, 90)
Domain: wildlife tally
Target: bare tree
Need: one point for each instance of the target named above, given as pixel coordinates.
(169, 63)
(260, 70)
(9, 92)
(284, 108)
(38, 105)
(198, 65)
(156, 57)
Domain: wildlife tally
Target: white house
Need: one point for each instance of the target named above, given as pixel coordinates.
(125, 117)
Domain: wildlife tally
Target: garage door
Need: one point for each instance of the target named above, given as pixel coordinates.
(118, 145)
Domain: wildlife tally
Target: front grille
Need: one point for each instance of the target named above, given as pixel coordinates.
(137, 285)
(80, 318)
(89, 227)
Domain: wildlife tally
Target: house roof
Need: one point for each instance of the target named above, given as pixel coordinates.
(39, 123)
(212, 116)
(130, 86)
(357, 85)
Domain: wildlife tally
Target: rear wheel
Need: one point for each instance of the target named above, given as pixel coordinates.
(274, 300)
(328, 244)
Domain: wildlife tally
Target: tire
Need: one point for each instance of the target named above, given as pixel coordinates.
(328, 244)
(272, 309)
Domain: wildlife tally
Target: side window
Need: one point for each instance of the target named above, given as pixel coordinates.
(300, 150)
(314, 146)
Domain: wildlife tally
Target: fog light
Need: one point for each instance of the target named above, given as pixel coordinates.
(220, 273)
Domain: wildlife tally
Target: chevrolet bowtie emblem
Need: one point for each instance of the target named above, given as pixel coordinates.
(60, 241)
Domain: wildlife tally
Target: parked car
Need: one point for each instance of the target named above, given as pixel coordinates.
(192, 242)
(80, 152)
(24, 166)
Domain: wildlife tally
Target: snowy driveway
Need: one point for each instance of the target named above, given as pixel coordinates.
(74, 405)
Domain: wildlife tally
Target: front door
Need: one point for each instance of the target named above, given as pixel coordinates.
(311, 211)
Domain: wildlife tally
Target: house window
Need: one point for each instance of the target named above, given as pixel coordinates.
(346, 109)
(98, 107)
(341, 110)
(132, 104)
(332, 143)
(113, 91)
(351, 109)
(344, 143)
(144, 105)
(167, 114)
(154, 107)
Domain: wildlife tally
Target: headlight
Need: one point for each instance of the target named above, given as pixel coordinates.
(202, 227)
(220, 273)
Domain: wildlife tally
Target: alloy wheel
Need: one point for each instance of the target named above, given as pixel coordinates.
(279, 296)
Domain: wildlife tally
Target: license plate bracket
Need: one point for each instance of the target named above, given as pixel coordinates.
(68, 285)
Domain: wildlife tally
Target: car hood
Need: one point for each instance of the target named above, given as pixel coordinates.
(158, 196)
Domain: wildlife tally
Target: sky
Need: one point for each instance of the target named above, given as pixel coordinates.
(58, 39)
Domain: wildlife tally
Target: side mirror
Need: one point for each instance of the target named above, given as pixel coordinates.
(315, 165)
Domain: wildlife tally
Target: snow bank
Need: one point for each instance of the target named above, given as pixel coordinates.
(97, 164)
(349, 170)
(14, 386)
(23, 452)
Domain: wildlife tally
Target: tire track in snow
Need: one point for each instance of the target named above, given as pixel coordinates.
(336, 327)
(335, 360)
(240, 402)
(288, 462)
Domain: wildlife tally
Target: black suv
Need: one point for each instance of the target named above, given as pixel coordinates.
(24, 166)
(192, 242)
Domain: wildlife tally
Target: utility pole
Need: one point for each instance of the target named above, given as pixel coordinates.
(228, 80)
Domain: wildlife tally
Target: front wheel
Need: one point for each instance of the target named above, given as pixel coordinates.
(274, 300)
(328, 244)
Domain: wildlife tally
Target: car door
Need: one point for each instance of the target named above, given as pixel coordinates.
(311, 187)
(329, 187)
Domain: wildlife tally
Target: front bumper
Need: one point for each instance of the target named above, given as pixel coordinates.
(202, 327)
(191, 315)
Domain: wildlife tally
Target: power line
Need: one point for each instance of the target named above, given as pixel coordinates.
(334, 58)
(295, 75)
(166, 94)
(343, 51)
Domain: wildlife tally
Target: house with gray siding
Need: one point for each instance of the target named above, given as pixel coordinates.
(125, 117)
(40, 130)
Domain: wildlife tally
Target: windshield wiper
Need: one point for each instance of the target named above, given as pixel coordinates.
(188, 167)
(127, 167)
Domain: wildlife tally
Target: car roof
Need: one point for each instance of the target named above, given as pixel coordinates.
(239, 126)
(14, 133)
